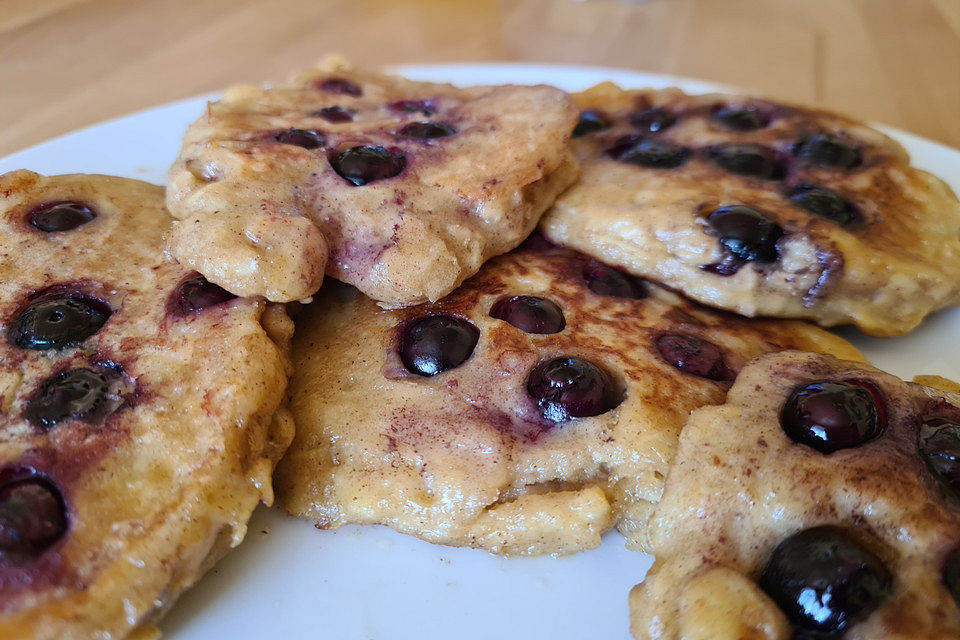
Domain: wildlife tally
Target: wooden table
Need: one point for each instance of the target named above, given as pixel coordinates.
(69, 63)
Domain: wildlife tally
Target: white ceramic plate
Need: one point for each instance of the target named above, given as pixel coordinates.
(289, 580)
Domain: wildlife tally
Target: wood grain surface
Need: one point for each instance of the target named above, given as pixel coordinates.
(65, 64)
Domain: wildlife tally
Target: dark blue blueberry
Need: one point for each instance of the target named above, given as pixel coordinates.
(57, 320)
(693, 355)
(652, 120)
(364, 164)
(607, 281)
(828, 151)
(427, 130)
(435, 344)
(195, 294)
(750, 160)
(590, 121)
(652, 154)
(530, 313)
(825, 581)
(829, 416)
(940, 449)
(567, 388)
(300, 138)
(334, 114)
(427, 107)
(32, 516)
(739, 118)
(825, 203)
(340, 85)
(746, 233)
(77, 393)
(60, 216)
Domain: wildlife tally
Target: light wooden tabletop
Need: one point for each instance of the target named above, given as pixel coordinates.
(65, 64)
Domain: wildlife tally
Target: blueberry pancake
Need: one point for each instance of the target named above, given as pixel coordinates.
(760, 208)
(401, 188)
(821, 501)
(139, 420)
(527, 412)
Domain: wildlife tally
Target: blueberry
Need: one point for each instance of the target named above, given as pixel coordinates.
(824, 581)
(195, 294)
(427, 130)
(693, 355)
(530, 314)
(951, 574)
(60, 216)
(746, 233)
(363, 164)
(828, 415)
(652, 120)
(940, 449)
(427, 107)
(825, 203)
(652, 154)
(334, 114)
(435, 344)
(567, 388)
(77, 393)
(305, 138)
(739, 118)
(32, 515)
(750, 160)
(57, 320)
(590, 121)
(340, 85)
(828, 151)
(607, 281)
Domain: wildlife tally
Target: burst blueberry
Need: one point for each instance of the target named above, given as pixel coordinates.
(745, 233)
(693, 355)
(427, 130)
(32, 515)
(334, 114)
(195, 294)
(74, 394)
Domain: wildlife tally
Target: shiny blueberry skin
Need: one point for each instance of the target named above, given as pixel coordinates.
(951, 574)
(72, 394)
(300, 138)
(652, 154)
(195, 294)
(340, 85)
(940, 450)
(530, 313)
(826, 203)
(567, 388)
(607, 281)
(590, 121)
(828, 151)
(32, 516)
(739, 118)
(825, 581)
(334, 114)
(57, 320)
(749, 160)
(652, 120)
(363, 164)
(60, 216)
(693, 355)
(427, 130)
(435, 344)
(746, 233)
(828, 415)
(427, 107)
